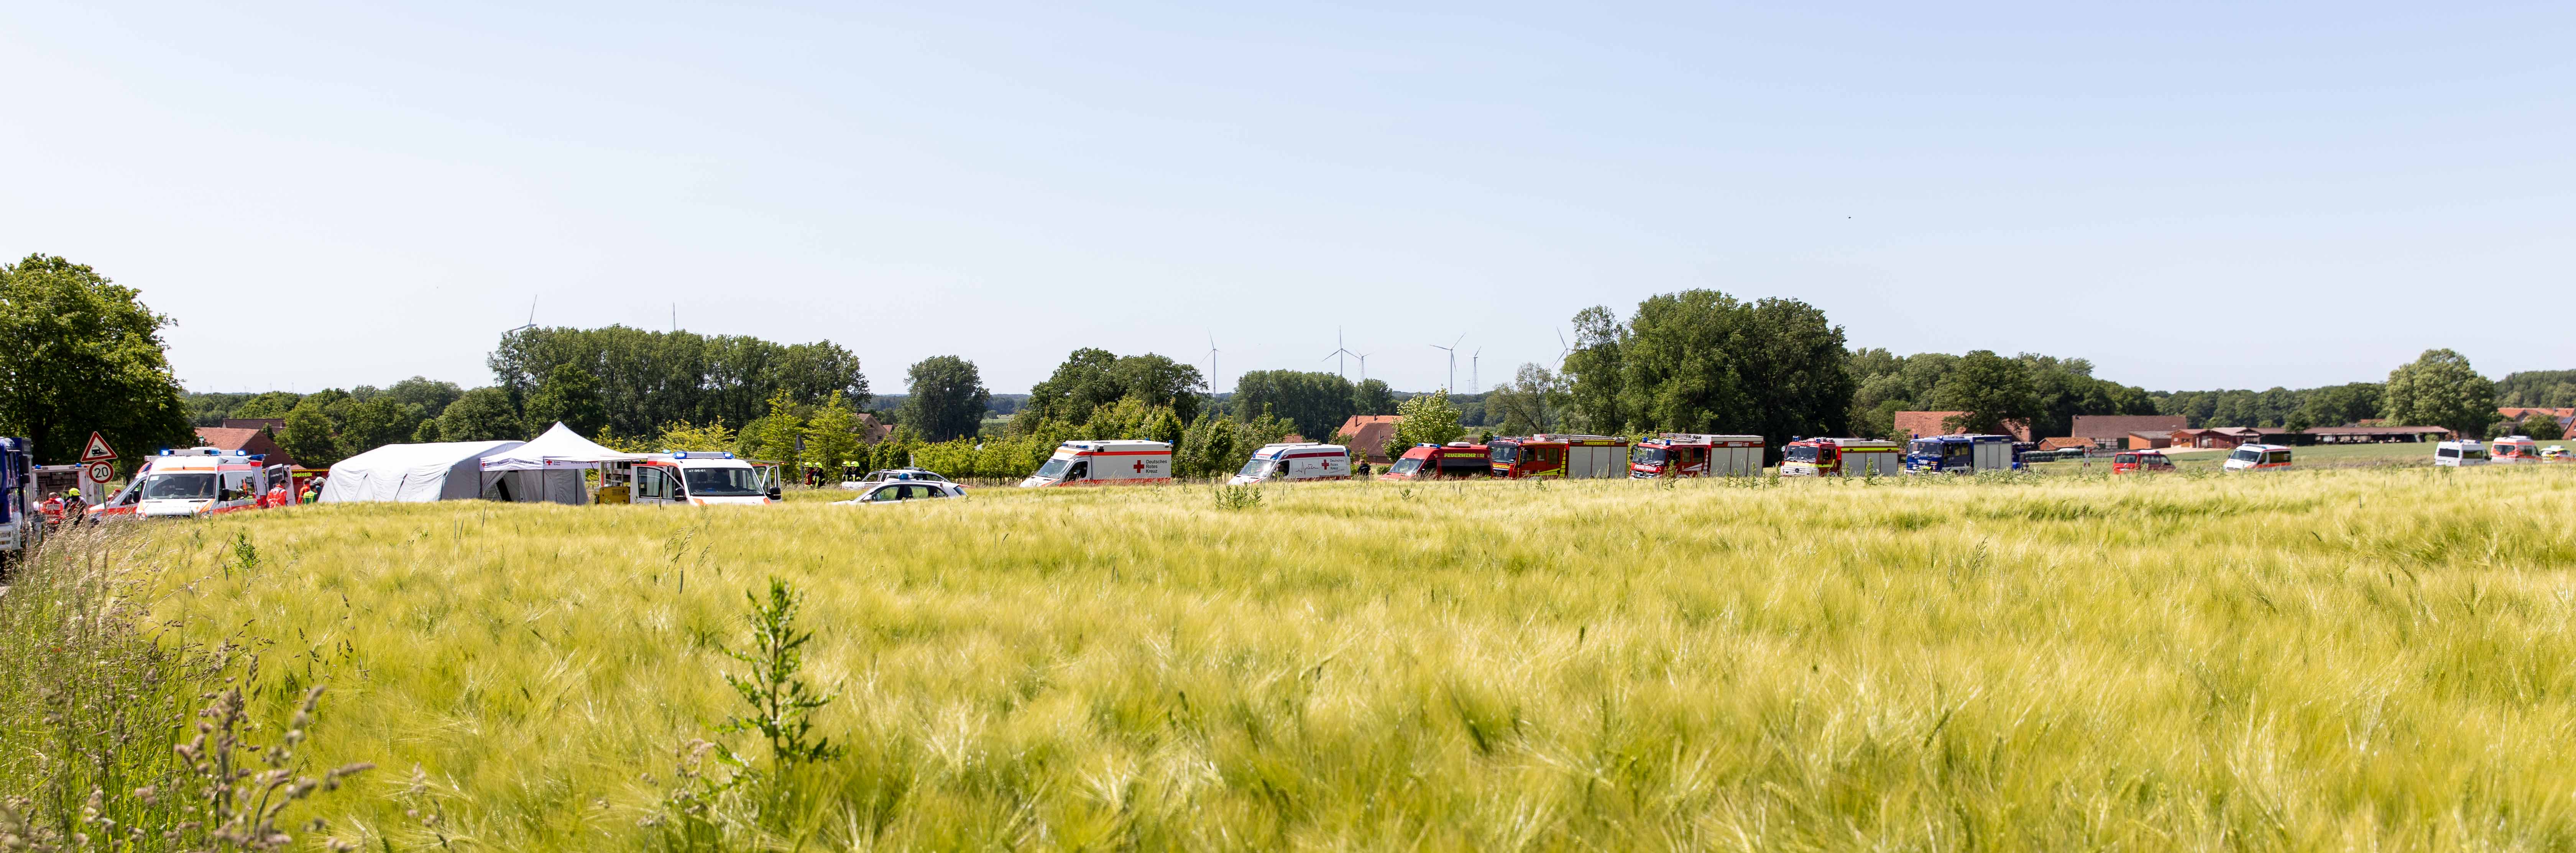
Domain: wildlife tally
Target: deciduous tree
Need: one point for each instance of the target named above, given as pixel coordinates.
(947, 399)
(84, 354)
(2440, 389)
(1988, 391)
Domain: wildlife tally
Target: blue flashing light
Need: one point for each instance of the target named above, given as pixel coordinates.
(680, 455)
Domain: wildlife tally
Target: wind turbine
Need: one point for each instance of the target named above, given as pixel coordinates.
(1452, 349)
(532, 318)
(1343, 367)
(1363, 357)
(1562, 350)
(1475, 380)
(1211, 379)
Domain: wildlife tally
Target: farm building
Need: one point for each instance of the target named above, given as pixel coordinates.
(257, 441)
(2566, 417)
(2119, 431)
(2148, 441)
(1369, 435)
(2228, 437)
(2375, 434)
(1920, 424)
(2065, 443)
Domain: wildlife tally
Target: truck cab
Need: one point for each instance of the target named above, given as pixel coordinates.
(2258, 457)
(1840, 457)
(200, 481)
(1282, 463)
(1959, 454)
(1677, 454)
(1431, 461)
(1571, 457)
(701, 478)
(2460, 454)
(1102, 463)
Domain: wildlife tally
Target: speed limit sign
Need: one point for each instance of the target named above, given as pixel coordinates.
(99, 473)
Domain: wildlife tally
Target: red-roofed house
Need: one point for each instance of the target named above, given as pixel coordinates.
(1920, 424)
(257, 441)
(1369, 435)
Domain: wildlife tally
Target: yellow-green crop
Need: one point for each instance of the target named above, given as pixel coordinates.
(2365, 659)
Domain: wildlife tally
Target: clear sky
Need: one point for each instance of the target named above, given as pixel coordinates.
(2192, 196)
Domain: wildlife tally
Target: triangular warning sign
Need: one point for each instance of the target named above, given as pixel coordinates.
(97, 451)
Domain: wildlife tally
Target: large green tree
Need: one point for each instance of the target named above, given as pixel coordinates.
(1703, 361)
(84, 354)
(483, 414)
(2542, 389)
(831, 437)
(1091, 379)
(1372, 397)
(946, 399)
(568, 396)
(1990, 392)
(1316, 402)
(1535, 401)
(2440, 389)
(650, 379)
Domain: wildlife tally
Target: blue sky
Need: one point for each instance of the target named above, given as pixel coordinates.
(2191, 196)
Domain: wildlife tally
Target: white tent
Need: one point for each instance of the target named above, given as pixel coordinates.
(414, 473)
(548, 468)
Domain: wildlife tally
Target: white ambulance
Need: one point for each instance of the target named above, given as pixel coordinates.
(1119, 462)
(200, 481)
(1286, 463)
(700, 478)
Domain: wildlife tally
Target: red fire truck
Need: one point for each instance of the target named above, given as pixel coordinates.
(1841, 457)
(1677, 454)
(1431, 461)
(1572, 457)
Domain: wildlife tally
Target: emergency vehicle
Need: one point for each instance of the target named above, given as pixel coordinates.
(2258, 457)
(1681, 454)
(1429, 461)
(1841, 457)
(1100, 463)
(1290, 463)
(1572, 457)
(700, 478)
(2460, 454)
(200, 481)
(2137, 461)
(2515, 450)
(21, 527)
(1959, 454)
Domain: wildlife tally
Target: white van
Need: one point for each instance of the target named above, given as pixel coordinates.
(701, 478)
(1097, 463)
(2460, 454)
(1295, 462)
(2258, 457)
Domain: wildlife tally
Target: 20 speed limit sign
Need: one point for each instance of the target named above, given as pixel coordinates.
(99, 473)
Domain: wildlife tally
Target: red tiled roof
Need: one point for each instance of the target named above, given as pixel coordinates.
(254, 440)
(1370, 433)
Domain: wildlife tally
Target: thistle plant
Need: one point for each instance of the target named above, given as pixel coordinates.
(782, 705)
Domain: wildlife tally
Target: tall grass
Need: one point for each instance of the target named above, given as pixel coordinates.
(2375, 659)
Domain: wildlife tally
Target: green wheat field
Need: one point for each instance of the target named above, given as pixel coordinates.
(2361, 659)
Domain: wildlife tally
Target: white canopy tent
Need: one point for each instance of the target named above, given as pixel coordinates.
(413, 473)
(548, 468)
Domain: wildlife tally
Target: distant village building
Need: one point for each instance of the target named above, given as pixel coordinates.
(2129, 432)
(1920, 424)
(257, 441)
(1369, 435)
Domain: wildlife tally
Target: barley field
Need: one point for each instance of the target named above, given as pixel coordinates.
(2378, 659)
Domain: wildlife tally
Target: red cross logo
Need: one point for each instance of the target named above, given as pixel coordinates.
(1140, 466)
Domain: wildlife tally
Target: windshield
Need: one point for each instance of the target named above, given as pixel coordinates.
(722, 482)
(1799, 453)
(1053, 469)
(1406, 466)
(2245, 455)
(1506, 453)
(1255, 468)
(194, 487)
(1926, 446)
(2125, 459)
(1648, 455)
